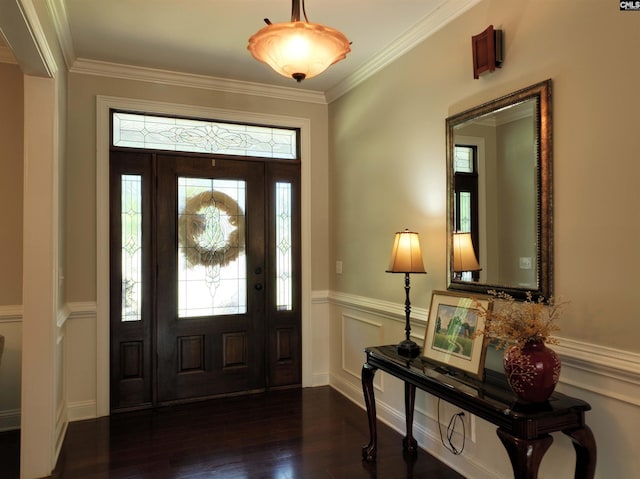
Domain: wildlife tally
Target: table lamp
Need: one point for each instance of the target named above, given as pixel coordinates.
(406, 258)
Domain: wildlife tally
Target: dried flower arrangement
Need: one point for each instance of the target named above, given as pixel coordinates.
(509, 321)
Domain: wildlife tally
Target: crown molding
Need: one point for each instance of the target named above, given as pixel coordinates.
(58, 11)
(6, 56)
(41, 61)
(129, 72)
(431, 23)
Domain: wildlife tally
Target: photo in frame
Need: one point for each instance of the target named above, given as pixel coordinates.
(449, 339)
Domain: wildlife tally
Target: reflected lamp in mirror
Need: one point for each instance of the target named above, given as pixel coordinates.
(406, 258)
(464, 256)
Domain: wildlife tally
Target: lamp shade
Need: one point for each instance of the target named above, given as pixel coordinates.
(405, 255)
(298, 49)
(464, 257)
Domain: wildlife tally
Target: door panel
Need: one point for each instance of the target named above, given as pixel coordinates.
(206, 346)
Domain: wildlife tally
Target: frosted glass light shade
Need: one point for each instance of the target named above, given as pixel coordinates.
(298, 49)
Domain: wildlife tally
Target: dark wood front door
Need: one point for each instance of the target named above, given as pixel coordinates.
(198, 307)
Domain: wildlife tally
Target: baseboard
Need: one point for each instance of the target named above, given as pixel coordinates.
(320, 379)
(80, 410)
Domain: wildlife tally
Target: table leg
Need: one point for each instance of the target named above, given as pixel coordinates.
(409, 444)
(370, 450)
(585, 445)
(525, 454)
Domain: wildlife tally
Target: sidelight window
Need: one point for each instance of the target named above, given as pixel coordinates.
(284, 246)
(131, 220)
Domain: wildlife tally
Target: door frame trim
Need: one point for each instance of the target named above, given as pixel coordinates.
(103, 105)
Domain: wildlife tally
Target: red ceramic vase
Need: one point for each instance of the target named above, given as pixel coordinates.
(532, 371)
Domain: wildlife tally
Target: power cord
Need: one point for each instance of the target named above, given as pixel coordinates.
(456, 418)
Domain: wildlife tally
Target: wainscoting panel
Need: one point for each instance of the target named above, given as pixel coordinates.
(10, 367)
(357, 334)
(608, 379)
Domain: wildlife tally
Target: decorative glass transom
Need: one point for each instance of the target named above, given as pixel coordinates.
(150, 132)
(463, 159)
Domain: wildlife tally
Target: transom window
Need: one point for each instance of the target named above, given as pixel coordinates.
(134, 130)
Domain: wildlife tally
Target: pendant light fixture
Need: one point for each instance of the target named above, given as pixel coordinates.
(298, 49)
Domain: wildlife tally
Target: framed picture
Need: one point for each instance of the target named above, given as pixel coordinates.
(453, 318)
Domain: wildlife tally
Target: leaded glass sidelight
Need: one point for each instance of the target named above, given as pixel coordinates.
(212, 272)
(465, 212)
(284, 243)
(131, 249)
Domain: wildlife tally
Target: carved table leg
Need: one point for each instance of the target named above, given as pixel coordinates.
(585, 445)
(525, 454)
(370, 450)
(409, 444)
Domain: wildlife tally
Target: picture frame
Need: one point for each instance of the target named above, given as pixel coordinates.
(449, 340)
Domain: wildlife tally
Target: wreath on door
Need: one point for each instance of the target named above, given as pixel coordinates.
(200, 233)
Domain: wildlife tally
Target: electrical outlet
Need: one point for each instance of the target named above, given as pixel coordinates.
(338, 267)
(447, 411)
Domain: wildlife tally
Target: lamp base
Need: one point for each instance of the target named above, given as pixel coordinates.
(408, 349)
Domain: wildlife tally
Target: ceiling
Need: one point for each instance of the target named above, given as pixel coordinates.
(209, 37)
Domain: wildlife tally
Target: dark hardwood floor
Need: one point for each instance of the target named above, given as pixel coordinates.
(297, 433)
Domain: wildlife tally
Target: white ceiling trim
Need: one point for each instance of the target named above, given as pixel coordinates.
(430, 24)
(6, 56)
(58, 12)
(21, 28)
(129, 72)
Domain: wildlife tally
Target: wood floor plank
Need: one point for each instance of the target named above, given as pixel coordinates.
(311, 433)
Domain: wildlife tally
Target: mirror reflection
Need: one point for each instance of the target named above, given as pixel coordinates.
(499, 191)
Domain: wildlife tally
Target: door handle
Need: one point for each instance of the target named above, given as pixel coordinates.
(258, 286)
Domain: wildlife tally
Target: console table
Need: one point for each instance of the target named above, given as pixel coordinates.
(523, 428)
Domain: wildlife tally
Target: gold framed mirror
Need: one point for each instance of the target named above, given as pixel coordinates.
(499, 195)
